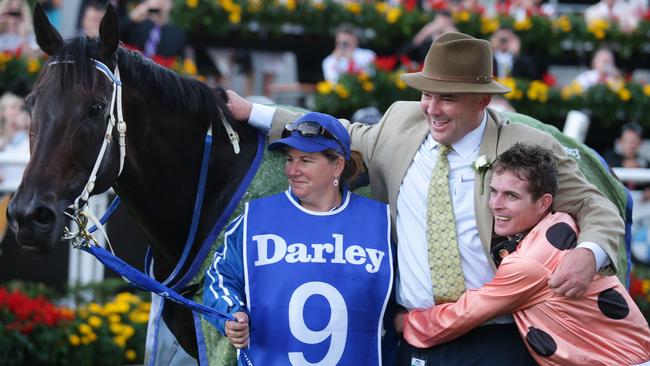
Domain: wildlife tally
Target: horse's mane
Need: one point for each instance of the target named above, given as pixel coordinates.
(161, 84)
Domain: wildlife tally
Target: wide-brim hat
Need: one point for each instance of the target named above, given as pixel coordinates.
(457, 63)
(338, 139)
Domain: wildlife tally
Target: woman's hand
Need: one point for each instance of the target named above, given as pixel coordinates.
(237, 332)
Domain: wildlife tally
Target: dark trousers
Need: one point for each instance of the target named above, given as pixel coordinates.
(488, 345)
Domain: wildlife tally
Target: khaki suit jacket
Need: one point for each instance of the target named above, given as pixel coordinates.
(388, 148)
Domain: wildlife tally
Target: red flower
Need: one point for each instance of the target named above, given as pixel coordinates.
(386, 63)
(549, 79)
(636, 287)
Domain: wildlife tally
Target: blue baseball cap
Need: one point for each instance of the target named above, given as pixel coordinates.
(315, 132)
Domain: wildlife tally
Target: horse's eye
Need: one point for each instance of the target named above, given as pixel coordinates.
(96, 108)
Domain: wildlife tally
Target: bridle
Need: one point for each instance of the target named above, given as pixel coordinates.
(80, 211)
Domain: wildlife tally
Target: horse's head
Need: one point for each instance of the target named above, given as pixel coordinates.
(70, 106)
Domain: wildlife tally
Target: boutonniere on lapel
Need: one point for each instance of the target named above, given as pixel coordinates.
(482, 165)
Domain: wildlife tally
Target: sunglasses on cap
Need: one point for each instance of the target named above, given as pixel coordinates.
(310, 129)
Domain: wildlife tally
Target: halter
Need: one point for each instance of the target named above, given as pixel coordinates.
(81, 211)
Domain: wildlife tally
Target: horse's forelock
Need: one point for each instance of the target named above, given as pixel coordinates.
(71, 67)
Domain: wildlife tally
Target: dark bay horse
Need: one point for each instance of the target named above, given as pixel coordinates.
(167, 117)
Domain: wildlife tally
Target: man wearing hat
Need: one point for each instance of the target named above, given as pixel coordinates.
(430, 161)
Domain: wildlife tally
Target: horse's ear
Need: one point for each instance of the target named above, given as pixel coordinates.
(47, 37)
(109, 32)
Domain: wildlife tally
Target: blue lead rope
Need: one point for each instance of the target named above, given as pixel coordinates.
(146, 283)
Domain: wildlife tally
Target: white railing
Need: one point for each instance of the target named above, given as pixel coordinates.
(83, 268)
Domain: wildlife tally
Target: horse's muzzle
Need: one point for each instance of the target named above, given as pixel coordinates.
(36, 225)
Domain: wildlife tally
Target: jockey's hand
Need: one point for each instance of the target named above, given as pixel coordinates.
(237, 332)
(574, 274)
(239, 107)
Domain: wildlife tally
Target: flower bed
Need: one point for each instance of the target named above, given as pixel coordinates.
(610, 104)
(35, 331)
(390, 26)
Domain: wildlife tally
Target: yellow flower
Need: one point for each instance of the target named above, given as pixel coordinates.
(128, 331)
(523, 25)
(127, 297)
(189, 67)
(598, 28)
(130, 355)
(83, 313)
(85, 328)
(91, 337)
(353, 7)
(122, 307)
(645, 286)
(646, 92)
(363, 76)
(624, 94)
(368, 86)
(95, 308)
(139, 317)
(342, 91)
(33, 66)
(381, 6)
(399, 83)
(537, 90)
(319, 5)
(234, 17)
(290, 4)
(512, 84)
(116, 328)
(393, 14)
(562, 23)
(120, 341)
(462, 16)
(489, 25)
(227, 5)
(114, 318)
(74, 340)
(145, 306)
(95, 321)
(571, 90)
(192, 3)
(324, 87)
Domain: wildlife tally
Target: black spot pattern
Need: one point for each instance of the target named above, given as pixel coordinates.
(612, 304)
(541, 342)
(561, 236)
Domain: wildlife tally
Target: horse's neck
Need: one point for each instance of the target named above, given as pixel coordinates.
(160, 176)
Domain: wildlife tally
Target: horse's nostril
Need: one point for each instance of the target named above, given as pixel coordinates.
(44, 216)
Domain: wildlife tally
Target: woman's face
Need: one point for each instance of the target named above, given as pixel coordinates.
(311, 175)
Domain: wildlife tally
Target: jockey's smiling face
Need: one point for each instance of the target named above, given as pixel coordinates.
(311, 175)
(513, 206)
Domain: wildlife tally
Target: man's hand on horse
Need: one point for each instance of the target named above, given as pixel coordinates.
(574, 274)
(239, 107)
(237, 331)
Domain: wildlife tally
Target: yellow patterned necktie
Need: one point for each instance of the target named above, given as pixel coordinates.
(444, 256)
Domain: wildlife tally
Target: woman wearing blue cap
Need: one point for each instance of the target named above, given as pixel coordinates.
(307, 272)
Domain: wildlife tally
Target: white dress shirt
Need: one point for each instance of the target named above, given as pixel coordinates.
(414, 286)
